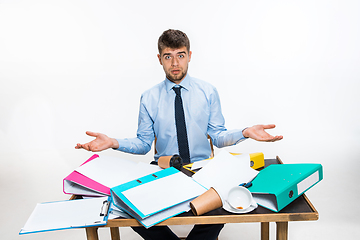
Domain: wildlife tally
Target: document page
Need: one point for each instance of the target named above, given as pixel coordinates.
(225, 171)
(109, 171)
(199, 164)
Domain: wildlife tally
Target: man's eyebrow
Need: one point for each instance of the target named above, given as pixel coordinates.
(167, 54)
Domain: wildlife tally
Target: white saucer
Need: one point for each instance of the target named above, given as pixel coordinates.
(228, 208)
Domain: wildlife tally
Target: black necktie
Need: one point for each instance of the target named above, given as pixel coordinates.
(181, 127)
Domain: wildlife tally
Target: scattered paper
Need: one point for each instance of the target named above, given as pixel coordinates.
(225, 171)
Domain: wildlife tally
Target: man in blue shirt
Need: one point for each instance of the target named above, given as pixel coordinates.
(158, 117)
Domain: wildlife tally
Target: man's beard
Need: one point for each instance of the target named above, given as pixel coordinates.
(173, 78)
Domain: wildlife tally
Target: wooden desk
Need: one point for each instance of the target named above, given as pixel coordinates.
(299, 210)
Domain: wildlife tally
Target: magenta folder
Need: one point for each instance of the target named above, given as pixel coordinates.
(78, 184)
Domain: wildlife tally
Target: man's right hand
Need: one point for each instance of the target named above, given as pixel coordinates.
(100, 143)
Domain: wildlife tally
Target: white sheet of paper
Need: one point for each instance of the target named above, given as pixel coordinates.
(109, 171)
(225, 171)
(199, 164)
(168, 191)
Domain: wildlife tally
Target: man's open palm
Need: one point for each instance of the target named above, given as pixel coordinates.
(258, 133)
(100, 143)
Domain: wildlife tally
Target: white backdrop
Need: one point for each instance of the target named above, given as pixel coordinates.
(77, 65)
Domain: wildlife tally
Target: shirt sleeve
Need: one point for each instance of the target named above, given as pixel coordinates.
(145, 134)
(221, 137)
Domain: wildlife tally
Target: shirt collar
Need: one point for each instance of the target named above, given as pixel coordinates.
(185, 83)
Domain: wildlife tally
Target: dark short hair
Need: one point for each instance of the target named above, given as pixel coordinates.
(173, 39)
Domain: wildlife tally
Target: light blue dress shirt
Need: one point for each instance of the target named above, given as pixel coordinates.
(203, 117)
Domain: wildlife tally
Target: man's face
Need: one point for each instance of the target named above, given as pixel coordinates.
(175, 63)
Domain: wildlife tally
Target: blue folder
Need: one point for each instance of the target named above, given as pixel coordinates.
(176, 190)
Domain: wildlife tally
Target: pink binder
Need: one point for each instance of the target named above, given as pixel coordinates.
(78, 184)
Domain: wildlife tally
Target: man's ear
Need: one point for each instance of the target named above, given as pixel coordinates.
(190, 52)
(159, 57)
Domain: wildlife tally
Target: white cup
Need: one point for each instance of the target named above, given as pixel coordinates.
(240, 198)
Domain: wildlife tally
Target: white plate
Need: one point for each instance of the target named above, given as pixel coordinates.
(228, 208)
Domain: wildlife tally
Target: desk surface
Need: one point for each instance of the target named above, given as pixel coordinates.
(300, 209)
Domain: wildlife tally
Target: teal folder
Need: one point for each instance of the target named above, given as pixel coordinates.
(278, 185)
(156, 197)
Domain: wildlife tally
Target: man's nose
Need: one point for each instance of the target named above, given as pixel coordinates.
(174, 62)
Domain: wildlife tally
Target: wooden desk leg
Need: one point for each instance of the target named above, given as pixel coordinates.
(115, 234)
(92, 233)
(281, 230)
(265, 231)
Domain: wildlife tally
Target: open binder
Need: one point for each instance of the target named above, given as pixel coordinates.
(158, 196)
(278, 185)
(98, 174)
(78, 184)
(68, 214)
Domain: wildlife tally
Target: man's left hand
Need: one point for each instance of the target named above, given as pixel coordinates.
(258, 133)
